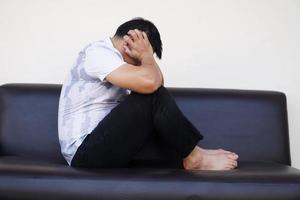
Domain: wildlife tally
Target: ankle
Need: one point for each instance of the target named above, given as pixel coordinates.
(195, 156)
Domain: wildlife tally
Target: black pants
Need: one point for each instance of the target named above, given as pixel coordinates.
(124, 131)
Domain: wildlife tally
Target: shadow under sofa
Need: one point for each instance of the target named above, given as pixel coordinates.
(252, 123)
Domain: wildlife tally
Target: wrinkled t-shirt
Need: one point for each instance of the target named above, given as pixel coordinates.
(86, 96)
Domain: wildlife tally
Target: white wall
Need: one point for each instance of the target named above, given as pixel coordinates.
(235, 44)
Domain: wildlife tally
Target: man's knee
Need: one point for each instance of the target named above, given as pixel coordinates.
(161, 89)
(158, 90)
(161, 95)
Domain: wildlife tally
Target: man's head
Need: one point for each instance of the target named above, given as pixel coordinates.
(142, 25)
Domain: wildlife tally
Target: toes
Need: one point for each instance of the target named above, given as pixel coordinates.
(231, 166)
(233, 156)
(231, 153)
(233, 163)
(228, 167)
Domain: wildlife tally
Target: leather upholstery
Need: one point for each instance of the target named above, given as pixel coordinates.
(29, 121)
(252, 123)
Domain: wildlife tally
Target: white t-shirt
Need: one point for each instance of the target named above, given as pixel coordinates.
(86, 97)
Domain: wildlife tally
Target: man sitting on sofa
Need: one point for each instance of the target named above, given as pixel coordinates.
(114, 98)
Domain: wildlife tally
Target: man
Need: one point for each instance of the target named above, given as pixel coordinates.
(114, 98)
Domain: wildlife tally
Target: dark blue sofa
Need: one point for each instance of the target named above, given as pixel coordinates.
(251, 123)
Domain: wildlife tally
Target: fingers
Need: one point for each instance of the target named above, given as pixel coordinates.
(145, 36)
(133, 35)
(136, 43)
(138, 33)
(127, 50)
(128, 40)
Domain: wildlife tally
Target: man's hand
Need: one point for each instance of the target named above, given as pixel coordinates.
(137, 45)
(143, 79)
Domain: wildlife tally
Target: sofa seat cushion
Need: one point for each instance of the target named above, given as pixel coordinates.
(41, 180)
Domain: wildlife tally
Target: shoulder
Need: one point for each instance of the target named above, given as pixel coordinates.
(101, 46)
(102, 51)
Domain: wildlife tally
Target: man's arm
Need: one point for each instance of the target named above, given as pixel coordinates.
(145, 78)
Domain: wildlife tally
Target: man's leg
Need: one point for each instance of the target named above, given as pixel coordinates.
(124, 131)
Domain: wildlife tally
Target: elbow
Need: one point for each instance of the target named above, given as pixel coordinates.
(151, 86)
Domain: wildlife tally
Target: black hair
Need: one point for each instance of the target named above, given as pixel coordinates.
(143, 25)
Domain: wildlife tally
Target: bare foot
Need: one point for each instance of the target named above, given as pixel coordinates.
(203, 159)
(216, 151)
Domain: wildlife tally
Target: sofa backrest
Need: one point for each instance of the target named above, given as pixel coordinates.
(28, 121)
(251, 123)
